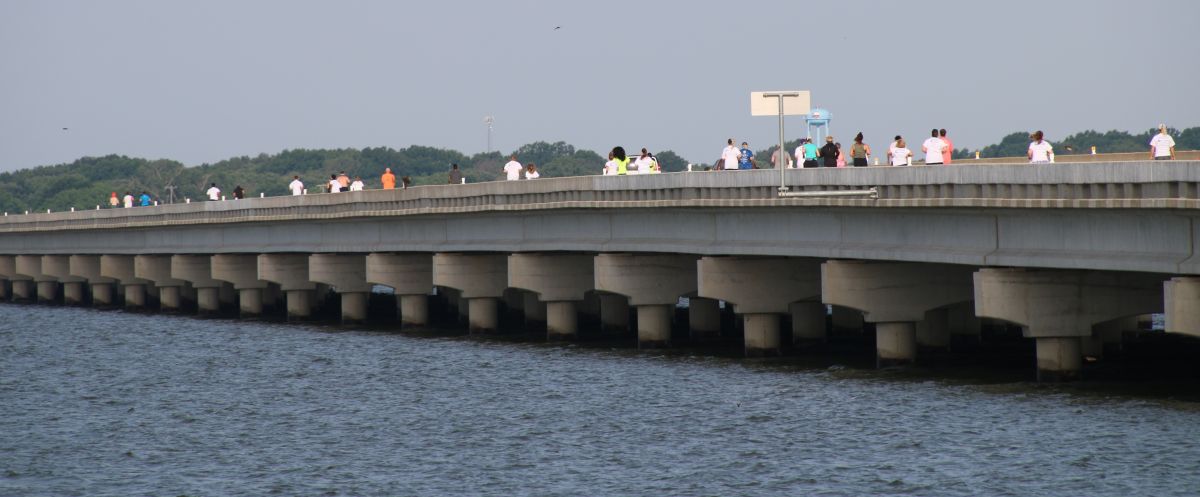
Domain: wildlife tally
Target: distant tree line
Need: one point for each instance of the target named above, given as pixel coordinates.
(89, 181)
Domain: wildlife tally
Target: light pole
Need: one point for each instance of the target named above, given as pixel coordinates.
(488, 120)
(760, 106)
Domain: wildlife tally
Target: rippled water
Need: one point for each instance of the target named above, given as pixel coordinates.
(109, 403)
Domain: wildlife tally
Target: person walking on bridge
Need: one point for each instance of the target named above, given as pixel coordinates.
(808, 153)
(746, 161)
(357, 185)
(829, 152)
(1162, 146)
(620, 161)
(455, 177)
(775, 159)
(948, 152)
(730, 156)
(144, 199)
(238, 193)
(334, 185)
(213, 192)
(900, 155)
(388, 179)
(127, 200)
(296, 186)
(933, 148)
(1040, 150)
(113, 201)
(512, 169)
(859, 151)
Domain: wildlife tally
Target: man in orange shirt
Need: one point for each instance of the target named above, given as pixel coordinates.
(389, 179)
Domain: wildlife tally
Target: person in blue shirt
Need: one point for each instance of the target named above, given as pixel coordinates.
(810, 153)
(746, 161)
(144, 199)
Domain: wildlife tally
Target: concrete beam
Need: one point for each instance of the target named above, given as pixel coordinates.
(480, 279)
(347, 275)
(759, 285)
(290, 272)
(59, 266)
(88, 268)
(646, 279)
(241, 270)
(31, 266)
(1064, 303)
(406, 274)
(121, 268)
(560, 280)
(1182, 297)
(894, 291)
(197, 271)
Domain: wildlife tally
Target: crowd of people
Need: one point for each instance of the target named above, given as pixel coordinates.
(937, 149)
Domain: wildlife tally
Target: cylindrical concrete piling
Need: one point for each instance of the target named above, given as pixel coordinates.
(483, 315)
(704, 319)
(414, 310)
(761, 335)
(102, 294)
(208, 300)
(73, 292)
(354, 307)
(23, 291)
(135, 296)
(47, 292)
(299, 304)
(250, 302)
(1059, 358)
(614, 313)
(562, 322)
(654, 326)
(808, 323)
(895, 344)
(168, 298)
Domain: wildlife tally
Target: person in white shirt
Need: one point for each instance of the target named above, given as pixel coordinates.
(296, 186)
(531, 171)
(127, 200)
(900, 154)
(1162, 146)
(335, 186)
(644, 163)
(213, 192)
(512, 169)
(893, 145)
(1040, 150)
(730, 156)
(610, 167)
(933, 148)
(357, 185)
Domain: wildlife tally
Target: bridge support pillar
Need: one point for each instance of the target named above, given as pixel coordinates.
(354, 307)
(411, 278)
(759, 287)
(250, 302)
(123, 269)
(483, 315)
(290, 272)
(414, 310)
(241, 270)
(1059, 307)
(534, 309)
(208, 300)
(562, 281)
(102, 295)
(614, 313)
(934, 331)
(896, 296)
(654, 326)
(704, 319)
(196, 270)
(653, 284)
(169, 297)
(1182, 297)
(47, 291)
(895, 344)
(761, 335)
(157, 268)
(24, 291)
(480, 279)
(808, 323)
(562, 322)
(73, 293)
(347, 275)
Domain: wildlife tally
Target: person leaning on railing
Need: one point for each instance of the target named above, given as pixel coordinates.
(1162, 146)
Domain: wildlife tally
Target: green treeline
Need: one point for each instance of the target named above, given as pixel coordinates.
(89, 181)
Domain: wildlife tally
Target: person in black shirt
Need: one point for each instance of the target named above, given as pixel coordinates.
(829, 152)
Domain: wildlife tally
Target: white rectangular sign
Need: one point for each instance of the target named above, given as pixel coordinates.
(766, 103)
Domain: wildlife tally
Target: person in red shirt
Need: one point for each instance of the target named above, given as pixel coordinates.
(949, 150)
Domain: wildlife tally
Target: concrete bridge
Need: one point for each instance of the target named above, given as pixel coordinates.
(1069, 252)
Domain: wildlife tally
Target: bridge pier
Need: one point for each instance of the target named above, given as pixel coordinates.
(653, 284)
(704, 319)
(760, 289)
(1182, 297)
(347, 275)
(1058, 308)
(808, 323)
(933, 332)
(411, 278)
(534, 310)
(241, 271)
(290, 272)
(196, 270)
(59, 266)
(30, 266)
(896, 296)
(562, 281)
(614, 313)
(481, 279)
(121, 268)
(157, 268)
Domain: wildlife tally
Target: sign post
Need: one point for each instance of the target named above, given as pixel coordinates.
(786, 103)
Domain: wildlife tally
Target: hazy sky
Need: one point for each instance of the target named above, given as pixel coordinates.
(200, 81)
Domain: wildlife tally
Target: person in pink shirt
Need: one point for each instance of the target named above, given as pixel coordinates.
(949, 150)
(841, 159)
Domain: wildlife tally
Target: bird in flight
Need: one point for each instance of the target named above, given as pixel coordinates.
(556, 28)
(64, 129)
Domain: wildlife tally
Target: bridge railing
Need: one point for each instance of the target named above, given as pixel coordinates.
(1147, 184)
